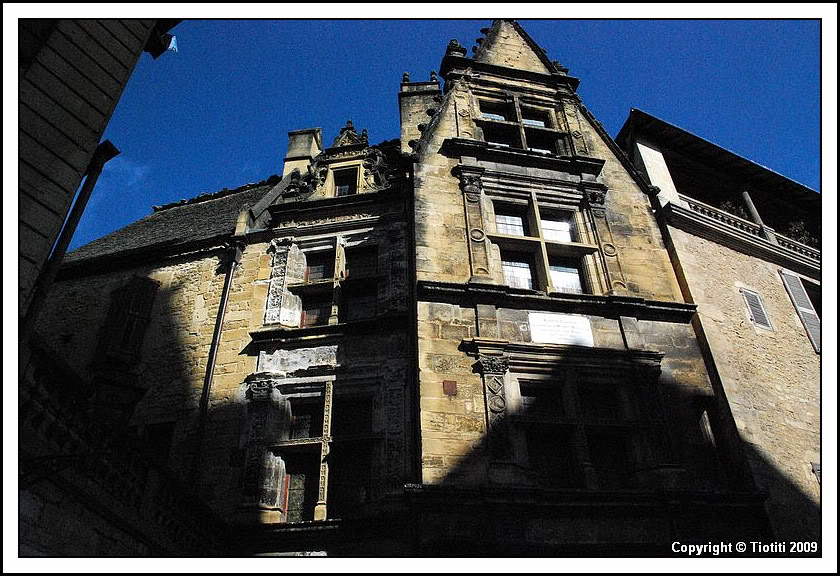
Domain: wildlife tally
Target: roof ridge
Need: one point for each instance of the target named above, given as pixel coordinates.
(270, 181)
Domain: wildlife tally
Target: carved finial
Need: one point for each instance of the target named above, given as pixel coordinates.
(560, 68)
(454, 48)
(406, 78)
(364, 134)
(433, 76)
(349, 125)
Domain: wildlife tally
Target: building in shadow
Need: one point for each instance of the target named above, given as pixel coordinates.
(744, 241)
(475, 340)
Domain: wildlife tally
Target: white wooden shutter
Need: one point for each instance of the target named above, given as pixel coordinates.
(756, 309)
(806, 311)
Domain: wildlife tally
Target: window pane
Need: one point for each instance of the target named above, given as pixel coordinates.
(319, 266)
(316, 312)
(301, 487)
(565, 278)
(345, 182)
(518, 272)
(307, 418)
(535, 118)
(361, 261)
(495, 111)
(541, 400)
(551, 456)
(557, 230)
(510, 224)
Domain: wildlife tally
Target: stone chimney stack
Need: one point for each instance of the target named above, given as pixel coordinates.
(417, 99)
(303, 146)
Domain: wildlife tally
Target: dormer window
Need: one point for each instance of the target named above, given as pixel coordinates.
(346, 181)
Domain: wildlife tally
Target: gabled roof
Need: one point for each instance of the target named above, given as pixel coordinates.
(200, 218)
(507, 44)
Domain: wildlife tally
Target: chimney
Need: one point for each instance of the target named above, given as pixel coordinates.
(417, 101)
(303, 146)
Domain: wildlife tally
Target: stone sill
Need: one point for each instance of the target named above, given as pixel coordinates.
(607, 306)
(276, 332)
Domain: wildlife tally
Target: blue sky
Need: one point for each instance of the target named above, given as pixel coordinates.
(216, 113)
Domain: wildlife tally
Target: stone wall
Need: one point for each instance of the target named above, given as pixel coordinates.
(771, 378)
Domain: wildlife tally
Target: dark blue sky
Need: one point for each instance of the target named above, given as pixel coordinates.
(216, 113)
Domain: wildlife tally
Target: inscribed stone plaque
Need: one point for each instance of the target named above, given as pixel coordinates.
(551, 328)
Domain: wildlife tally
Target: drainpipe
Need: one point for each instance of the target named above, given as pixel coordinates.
(766, 232)
(234, 257)
(103, 153)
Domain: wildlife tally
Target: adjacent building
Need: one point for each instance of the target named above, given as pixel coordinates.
(478, 339)
(744, 241)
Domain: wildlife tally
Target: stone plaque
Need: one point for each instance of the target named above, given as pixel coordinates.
(551, 328)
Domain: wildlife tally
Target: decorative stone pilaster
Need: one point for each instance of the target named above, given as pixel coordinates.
(479, 251)
(595, 196)
(288, 267)
(323, 478)
(493, 369)
(267, 418)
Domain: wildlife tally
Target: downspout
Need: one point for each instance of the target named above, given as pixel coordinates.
(234, 257)
(103, 153)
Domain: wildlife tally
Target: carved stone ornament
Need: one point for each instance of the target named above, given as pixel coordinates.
(455, 49)
(377, 172)
(493, 364)
(470, 183)
(596, 198)
(349, 137)
(259, 390)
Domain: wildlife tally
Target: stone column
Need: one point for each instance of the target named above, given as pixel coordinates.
(323, 477)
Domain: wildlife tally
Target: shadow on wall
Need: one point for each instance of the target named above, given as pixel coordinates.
(577, 488)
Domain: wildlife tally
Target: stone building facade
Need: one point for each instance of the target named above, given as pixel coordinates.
(469, 341)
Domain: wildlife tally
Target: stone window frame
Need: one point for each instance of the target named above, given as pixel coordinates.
(517, 129)
(129, 315)
(542, 250)
(501, 365)
(334, 288)
(263, 390)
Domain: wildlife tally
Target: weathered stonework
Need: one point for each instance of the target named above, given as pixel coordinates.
(771, 379)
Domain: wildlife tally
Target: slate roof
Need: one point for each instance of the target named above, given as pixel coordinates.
(199, 218)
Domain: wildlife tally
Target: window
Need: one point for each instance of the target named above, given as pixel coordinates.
(550, 253)
(361, 261)
(535, 117)
(518, 270)
(494, 110)
(565, 276)
(319, 266)
(503, 136)
(557, 227)
(513, 125)
(510, 222)
(803, 294)
(346, 181)
(128, 316)
(348, 437)
(330, 280)
(756, 310)
(565, 423)
(316, 310)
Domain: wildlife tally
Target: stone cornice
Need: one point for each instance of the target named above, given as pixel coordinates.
(534, 357)
(729, 231)
(591, 167)
(452, 64)
(608, 306)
